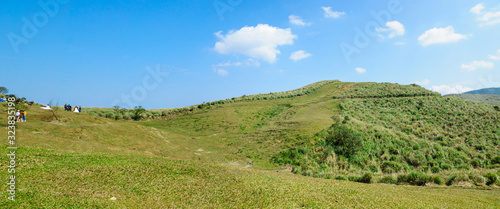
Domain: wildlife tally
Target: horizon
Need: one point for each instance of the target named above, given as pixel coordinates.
(173, 54)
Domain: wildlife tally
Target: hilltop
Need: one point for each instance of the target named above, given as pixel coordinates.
(242, 151)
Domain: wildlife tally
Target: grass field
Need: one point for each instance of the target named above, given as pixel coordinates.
(199, 158)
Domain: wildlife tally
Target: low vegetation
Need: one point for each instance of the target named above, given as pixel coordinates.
(419, 138)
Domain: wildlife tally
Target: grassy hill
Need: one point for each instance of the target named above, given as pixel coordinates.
(242, 151)
(495, 91)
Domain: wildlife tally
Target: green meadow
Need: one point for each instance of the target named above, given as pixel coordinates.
(331, 144)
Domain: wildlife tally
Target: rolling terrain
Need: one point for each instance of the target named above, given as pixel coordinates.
(247, 152)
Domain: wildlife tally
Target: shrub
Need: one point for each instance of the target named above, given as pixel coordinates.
(491, 178)
(110, 115)
(388, 180)
(390, 167)
(462, 177)
(495, 160)
(435, 169)
(340, 177)
(344, 140)
(476, 163)
(445, 167)
(478, 180)
(438, 180)
(307, 173)
(373, 168)
(353, 178)
(415, 178)
(138, 113)
(366, 178)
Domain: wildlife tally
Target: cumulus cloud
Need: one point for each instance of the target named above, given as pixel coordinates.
(490, 17)
(440, 36)
(360, 70)
(423, 83)
(298, 55)
(332, 14)
(478, 9)
(260, 42)
(296, 20)
(393, 29)
(444, 89)
(477, 65)
(495, 57)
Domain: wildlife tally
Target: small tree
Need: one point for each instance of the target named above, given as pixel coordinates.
(344, 140)
(117, 111)
(54, 109)
(138, 111)
(3, 90)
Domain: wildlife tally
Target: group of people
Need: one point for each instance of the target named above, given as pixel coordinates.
(21, 116)
(68, 107)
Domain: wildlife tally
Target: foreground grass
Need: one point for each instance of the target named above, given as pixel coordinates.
(55, 179)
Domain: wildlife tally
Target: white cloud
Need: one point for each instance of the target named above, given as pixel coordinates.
(495, 57)
(440, 36)
(393, 29)
(477, 65)
(478, 9)
(221, 72)
(444, 89)
(249, 62)
(228, 64)
(331, 14)
(296, 20)
(360, 70)
(490, 17)
(423, 83)
(298, 55)
(258, 42)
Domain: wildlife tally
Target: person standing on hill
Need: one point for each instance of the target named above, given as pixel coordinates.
(80, 109)
(22, 117)
(66, 107)
(18, 116)
(76, 109)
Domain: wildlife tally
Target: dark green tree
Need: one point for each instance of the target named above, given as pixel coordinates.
(344, 140)
(138, 113)
(3, 90)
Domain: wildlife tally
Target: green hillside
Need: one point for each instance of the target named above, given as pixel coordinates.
(247, 152)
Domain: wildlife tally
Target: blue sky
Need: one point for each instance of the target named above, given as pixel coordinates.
(163, 54)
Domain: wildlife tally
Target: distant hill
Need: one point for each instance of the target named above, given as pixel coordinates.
(495, 91)
(490, 99)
